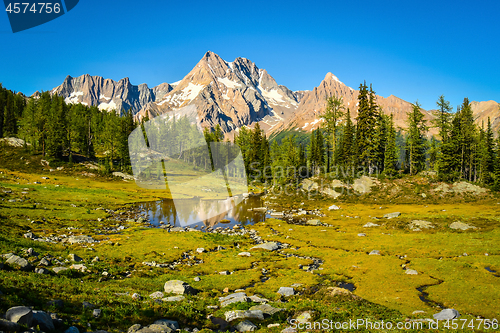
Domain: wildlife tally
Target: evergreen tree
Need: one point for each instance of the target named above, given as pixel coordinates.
(416, 140)
(366, 121)
(449, 162)
(467, 139)
(333, 114)
(391, 155)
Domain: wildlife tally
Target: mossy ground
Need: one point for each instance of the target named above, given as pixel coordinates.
(69, 199)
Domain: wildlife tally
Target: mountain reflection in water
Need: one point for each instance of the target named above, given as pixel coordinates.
(192, 212)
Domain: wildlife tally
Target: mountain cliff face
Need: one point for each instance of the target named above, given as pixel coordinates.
(107, 94)
(483, 110)
(236, 94)
(231, 94)
(313, 103)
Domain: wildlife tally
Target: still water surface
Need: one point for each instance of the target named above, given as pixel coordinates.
(199, 212)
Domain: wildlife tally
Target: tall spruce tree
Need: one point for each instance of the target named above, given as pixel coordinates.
(416, 140)
(333, 114)
(391, 154)
(366, 121)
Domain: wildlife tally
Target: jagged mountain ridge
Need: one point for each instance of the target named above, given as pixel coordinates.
(236, 94)
(108, 94)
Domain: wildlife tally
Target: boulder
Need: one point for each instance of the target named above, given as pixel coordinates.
(19, 262)
(155, 328)
(245, 326)
(74, 257)
(41, 270)
(156, 295)
(244, 254)
(375, 252)
(179, 287)
(286, 291)
(270, 246)
(266, 309)
(57, 270)
(21, 315)
(43, 320)
(309, 185)
(461, 226)
(244, 314)
(8, 326)
(420, 224)
(81, 239)
(234, 298)
(313, 222)
(446, 314)
(370, 225)
(333, 207)
(173, 299)
(304, 317)
(392, 215)
(172, 324)
(411, 272)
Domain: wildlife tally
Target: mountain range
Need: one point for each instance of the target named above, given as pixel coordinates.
(236, 94)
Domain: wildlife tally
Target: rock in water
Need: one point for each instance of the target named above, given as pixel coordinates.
(447, 314)
(179, 287)
(20, 314)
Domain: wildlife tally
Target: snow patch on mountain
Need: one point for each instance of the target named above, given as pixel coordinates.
(107, 106)
(229, 83)
(73, 98)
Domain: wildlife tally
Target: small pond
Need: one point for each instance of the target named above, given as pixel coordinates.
(198, 212)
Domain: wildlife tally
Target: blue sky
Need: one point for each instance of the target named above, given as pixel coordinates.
(411, 49)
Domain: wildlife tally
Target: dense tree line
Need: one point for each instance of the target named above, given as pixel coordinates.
(340, 147)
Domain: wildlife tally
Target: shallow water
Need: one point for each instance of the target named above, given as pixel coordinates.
(197, 212)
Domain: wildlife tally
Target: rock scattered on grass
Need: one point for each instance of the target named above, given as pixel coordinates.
(286, 291)
(313, 222)
(21, 315)
(244, 254)
(270, 246)
(392, 215)
(178, 287)
(19, 262)
(234, 298)
(447, 314)
(43, 320)
(461, 226)
(370, 225)
(411, 272)
(374, 253)
(333, 207)
(244, 314)
(75, 258)
(246, 326)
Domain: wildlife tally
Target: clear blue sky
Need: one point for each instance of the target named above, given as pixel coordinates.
(411, 49)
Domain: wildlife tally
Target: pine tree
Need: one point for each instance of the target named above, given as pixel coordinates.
(366, 121)
(416, 140)
(333, 114)
(449, 163)
(467, 136)
(391, 155)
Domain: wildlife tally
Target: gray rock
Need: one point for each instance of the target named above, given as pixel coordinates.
(134, 328)
(419, 224)
(266, 309)
(411, 272)
(333, 207)
(225, 273)
(43, 320)
(155, 328)
(447, 314)
(304, 317)
(41, 270)
(289, 330)
(8, 326)
(58, 303)
(75, 258)
(244, 314)
(370, 225)
(200, 250)
(30, 235)
(375, 253)
(197, 279)
(392, 215)
(57, 270)
(96, 313)
(257, 299)
(270, 246)
(72, 329)
(19, 262)
(245, 326)
(45, 262)
(461, 226)
(87, 305)
(286, 291)
(234, 298)
(81, 239)
(172, 324)
(362, 235)
(179, 287)
(156, 295)
(20, 315)
(173, 299)
(136, 297)
(244, 254)
(313, 222)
